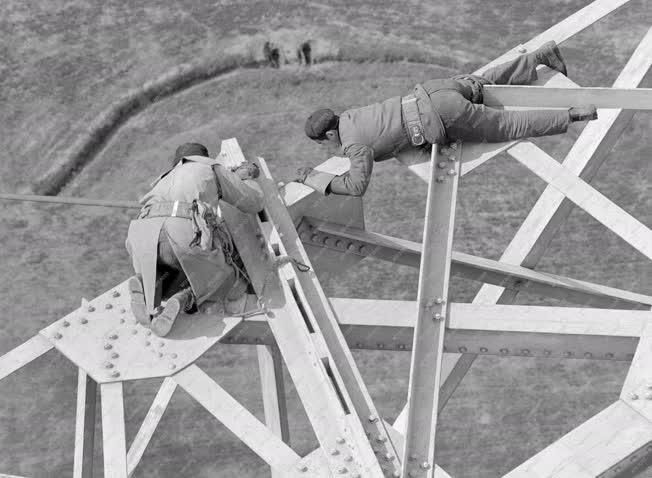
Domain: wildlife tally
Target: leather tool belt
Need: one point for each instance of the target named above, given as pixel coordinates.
(412, 120)
(167, 209)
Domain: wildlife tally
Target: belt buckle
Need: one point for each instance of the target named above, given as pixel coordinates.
(416, 135)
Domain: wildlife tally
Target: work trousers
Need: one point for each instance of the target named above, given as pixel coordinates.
(467, 121)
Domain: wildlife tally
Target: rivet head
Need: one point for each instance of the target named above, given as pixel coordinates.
(173, 366)
(547, 352)
(108, 306)
(83, 320)
(65, 323)
(113, 336)
(160, 354)
(396, 474)
(381, 439)
(484, 350)
(91, 308)
(115, 355)
(452, 172)
(58, 336)
(381, 346)
(134, 331)
(148, 332)
(437, 316)
(648, 396)
(633, 396)
(388, 456)
(147, 343)
(349, 458)
(161, 344)
(115, 294)
(357, 475)
(504, 351)
(351, 246)
(442, 164)
(462, 349)
(115, 374)
(439, 300)
(173, 355)
(521, 49)
(568, 354)
(373, 419)
(609, 355)
(340, 440)
(338, 243)
(453, 146)
(342, 471)
(335, 452)
(303, 468)
(525, 352)
(413, 458)
(122, 311)
(108, 365)
(440, 179)
(588, 354)
(108, 346)
(122, 321)
(425, 465)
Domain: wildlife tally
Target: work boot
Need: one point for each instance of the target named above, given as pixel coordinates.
(548, 54)
(138, 307)
(583, 113)
(179, 302)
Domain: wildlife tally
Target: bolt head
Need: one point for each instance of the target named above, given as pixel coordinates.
(373, 419)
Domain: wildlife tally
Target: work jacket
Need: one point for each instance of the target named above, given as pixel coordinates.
(193, 178)
(376, 133)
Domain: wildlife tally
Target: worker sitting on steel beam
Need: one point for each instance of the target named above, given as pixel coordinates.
(180, 246)
(439, 111)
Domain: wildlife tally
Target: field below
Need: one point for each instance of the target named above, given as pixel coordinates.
(505, 410)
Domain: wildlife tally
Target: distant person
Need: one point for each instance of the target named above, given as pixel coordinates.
(438, 112)
(180, 246)
(305, 53)
(275, 57)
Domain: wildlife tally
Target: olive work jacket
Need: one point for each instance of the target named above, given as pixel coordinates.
(376, 133)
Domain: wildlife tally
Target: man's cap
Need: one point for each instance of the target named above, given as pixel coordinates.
(189, 149)
(321, 121)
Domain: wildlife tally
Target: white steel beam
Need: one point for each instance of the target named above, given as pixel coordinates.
(402, 251)
(603, 446)
(428, 344)
(637, 389)
(113, 430)
(236, 418)
(584, 159)
(23, 354)
(546, 97)
(326, 334)
(596, 204)
(151, 421)
(84, 426)
(270, 366)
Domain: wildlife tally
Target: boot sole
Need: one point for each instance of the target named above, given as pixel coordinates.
(163, 323)
(138, 307)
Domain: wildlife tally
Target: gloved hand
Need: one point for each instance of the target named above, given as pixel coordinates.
(302, 174)
(247, 170)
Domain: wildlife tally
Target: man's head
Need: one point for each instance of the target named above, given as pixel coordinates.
(322, 127)
(189, 149)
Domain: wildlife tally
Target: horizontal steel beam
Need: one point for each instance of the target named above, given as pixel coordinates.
(547, 97)
(400, 251)
(504, 330)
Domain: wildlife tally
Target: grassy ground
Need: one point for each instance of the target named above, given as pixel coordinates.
(504, 411)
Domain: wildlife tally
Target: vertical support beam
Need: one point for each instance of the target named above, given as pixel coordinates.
(146, 431)
(271, 379)
(85, 426)
(428, 345)
(113, 431)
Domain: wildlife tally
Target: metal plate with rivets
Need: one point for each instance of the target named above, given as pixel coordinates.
(103, 338)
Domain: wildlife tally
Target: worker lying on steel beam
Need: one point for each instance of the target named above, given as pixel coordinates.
(180, 246)
(438, 111)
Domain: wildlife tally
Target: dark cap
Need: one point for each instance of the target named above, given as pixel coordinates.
(321, 121)
(189, 149)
